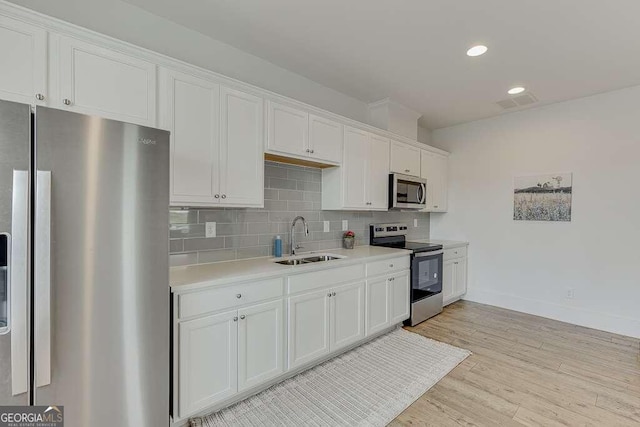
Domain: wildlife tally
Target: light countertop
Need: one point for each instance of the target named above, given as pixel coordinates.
(446, 244)
(221, 273)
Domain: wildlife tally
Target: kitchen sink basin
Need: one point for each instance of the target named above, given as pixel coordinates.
(308, 259)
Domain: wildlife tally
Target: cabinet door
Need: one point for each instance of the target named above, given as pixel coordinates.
(448, 280)
(103, 82)
(325, 139)
(190, 110)
(434, 170)
(377, 305)
(347, 315)
(399, 289)
(308, 337)
(23, 68)
(405, 159)
(208, 361)
(288, 130)
(260, 344)
(241, 149)
(460, 283)
(378, 173)
(355, 168)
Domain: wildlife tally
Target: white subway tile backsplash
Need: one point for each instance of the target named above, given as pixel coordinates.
(248, 233)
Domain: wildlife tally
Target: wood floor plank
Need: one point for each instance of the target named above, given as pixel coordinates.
(528, 370)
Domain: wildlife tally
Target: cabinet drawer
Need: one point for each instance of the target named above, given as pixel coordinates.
(455, 253)
(388, 266)
(325, 278)
(207, 301)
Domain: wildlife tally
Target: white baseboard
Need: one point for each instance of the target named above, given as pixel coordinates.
(563, 313)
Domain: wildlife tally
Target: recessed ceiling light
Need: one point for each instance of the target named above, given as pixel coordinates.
(516, 90)
(477, 50)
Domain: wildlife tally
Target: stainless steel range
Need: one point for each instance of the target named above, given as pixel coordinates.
(426, 269)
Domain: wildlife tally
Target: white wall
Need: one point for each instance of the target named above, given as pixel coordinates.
(529, 266)
(134, 25)
(424, 135)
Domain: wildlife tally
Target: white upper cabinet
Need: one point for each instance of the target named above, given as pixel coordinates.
(217, 138)
(296, 133)
(378, 173)
(190, 109)
(241, 149)
(355, 169)
(434, 170)
(103, 82)
(405, 159)
(363, 180)
(288, 130)
(325, 139)
(23, 67)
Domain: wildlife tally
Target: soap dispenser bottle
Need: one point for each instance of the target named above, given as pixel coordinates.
(277, 247)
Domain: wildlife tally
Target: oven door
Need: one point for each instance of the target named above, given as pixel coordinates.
(407, 192)
(426, 275)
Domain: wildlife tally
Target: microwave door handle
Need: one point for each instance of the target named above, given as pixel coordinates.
(18, 283)
(422, 189)
(42, 270)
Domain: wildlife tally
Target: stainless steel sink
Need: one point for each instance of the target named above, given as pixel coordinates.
(308, 259)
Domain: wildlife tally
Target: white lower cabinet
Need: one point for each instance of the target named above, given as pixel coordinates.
(387, 301)
(208, 361)
(234, 339)
(260, 343)
(324, 321)
(347, 315)
(454, 275)
(399, 290)
(308, 327)
(229, 352)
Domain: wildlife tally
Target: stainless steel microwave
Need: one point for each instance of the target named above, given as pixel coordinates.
(407, 192)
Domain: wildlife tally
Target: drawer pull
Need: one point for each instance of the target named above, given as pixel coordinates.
(239, 296)
(235, 319)
(242, 317)
(390, 265)
(329, 294)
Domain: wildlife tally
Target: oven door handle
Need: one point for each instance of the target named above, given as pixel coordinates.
(425, 254)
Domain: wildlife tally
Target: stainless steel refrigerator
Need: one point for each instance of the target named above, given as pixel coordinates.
(84, 293)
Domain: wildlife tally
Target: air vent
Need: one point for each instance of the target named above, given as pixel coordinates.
(517, 101)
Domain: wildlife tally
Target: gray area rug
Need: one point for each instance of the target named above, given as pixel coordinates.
(368, 386)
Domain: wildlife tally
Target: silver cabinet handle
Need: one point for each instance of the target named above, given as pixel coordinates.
(313, 151)
(390, 265)
(217, 196)
(40, 97)
(242, 317)
(224, 196)
(42, 288)
(235, 319)
(18, 284)
(436, 206)
(333, 294)
(238, 296)
(407, 170)
(329, 294)
(307, 150)
(66, 101)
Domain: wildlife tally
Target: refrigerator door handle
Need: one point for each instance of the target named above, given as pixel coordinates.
(42, 269)
(18, 282)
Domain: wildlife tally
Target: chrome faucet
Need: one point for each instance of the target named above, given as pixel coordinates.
(292, 239)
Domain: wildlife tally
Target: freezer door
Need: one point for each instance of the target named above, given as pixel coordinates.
(15, 142)
(101, 270)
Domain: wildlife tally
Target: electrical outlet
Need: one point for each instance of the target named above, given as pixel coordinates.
(210, 229)
(415, 222)
(327, 226)
(571, 293)
(345, 225)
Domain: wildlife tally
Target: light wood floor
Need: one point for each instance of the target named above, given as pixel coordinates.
(527, 370)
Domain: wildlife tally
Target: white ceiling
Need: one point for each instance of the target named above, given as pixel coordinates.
(414, 50)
